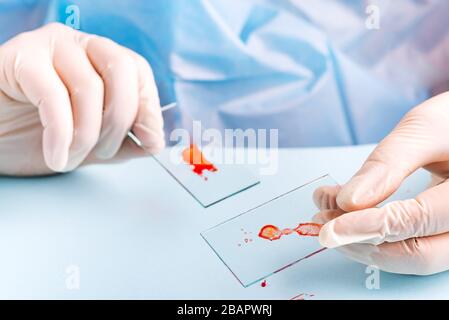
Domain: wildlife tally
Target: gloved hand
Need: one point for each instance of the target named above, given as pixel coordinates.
(410, 236)
(69, 98)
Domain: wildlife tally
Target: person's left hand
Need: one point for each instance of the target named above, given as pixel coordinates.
(409, 236)
(399, 237)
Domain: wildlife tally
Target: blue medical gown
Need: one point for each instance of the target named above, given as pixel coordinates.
(311, 69)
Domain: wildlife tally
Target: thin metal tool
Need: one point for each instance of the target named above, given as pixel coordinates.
(136, 140)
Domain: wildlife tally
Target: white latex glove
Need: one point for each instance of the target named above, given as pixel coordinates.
(410, 236)
(69, 98)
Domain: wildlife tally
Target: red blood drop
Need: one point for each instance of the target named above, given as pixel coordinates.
(270, 232)
(193, 156)
(263, 284)
(308, 229)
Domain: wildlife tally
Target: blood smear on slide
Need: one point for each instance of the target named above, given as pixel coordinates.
(194, 157)
(271, 232)
(303, 296)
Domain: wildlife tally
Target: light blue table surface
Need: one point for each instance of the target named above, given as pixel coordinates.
(133, 232)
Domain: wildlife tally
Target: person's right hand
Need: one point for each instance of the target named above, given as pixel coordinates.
(409, 236)
(69, 98)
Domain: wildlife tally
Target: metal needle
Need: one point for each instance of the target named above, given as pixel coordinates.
(136, 140)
